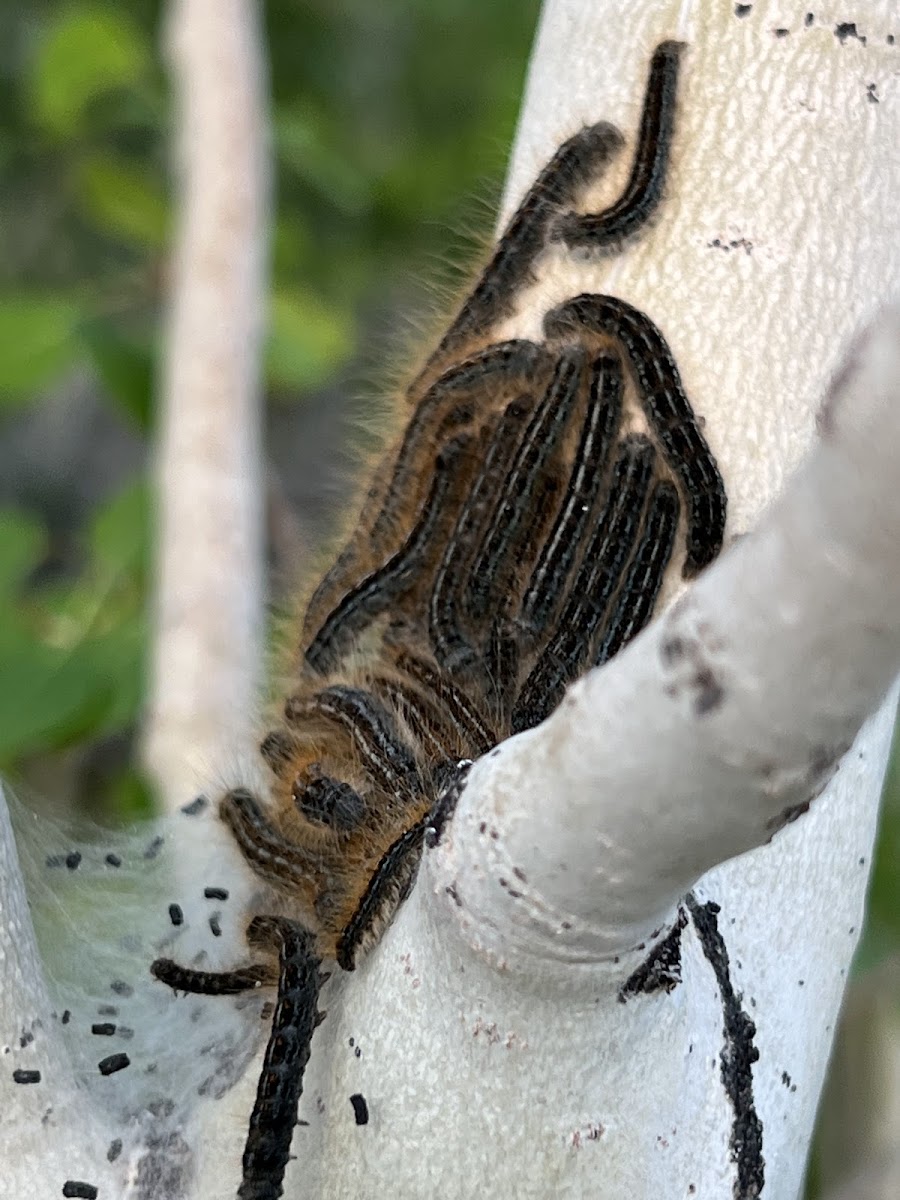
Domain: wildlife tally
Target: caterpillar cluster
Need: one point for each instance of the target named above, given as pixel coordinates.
(518, 534)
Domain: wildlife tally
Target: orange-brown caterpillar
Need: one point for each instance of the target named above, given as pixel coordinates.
(514, 537)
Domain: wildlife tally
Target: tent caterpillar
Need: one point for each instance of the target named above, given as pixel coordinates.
(516, 535)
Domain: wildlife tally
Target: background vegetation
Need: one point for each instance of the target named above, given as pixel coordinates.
(388, 119)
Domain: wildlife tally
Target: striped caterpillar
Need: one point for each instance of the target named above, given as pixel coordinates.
(518, 534)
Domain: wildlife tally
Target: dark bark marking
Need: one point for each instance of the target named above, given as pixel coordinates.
(736, 1059)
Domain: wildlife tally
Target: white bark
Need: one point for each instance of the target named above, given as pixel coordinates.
(495, 1056)
(207, 644)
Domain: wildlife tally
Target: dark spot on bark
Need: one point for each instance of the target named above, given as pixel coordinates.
(808, 19)
(121, 988)
(686, 660)
(890, 39)
(661, 970)
(115, 1149)
(215, 925)
(195, 807)
(215, 893)
(782, 33)
(360, 1108)
(358, 1052)
(155, 846)
(519, 874)
(176, 916)
(22, 1076)
(738, 1056)
(66, 1017)
(871, 93)
(107, 1010)
(26, 1039)
(785, 1079)
(743, 10)
(673, 648)
(103, 1029)
(710, 692)
(846, 30)
(451, 891)
(73, 860)
(113, 860)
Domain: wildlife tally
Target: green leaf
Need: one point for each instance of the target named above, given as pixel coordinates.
(119, 536)
(36, 343)
(125, 200)
(85, 51)
(125, 367)
(22, 541)
(45, 696)
(291, 242)
(308, 339)
(308, 148)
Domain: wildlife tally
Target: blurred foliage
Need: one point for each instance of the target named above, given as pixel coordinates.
(385, 117)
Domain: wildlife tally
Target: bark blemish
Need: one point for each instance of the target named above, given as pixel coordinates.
(686, 662)
(846, 30)
(661, 969)
(737, 1058)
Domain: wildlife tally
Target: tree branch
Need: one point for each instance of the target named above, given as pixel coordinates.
(720, 723)
(208, 610)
